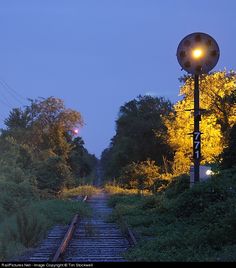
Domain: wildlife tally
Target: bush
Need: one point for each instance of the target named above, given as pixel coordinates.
(114, 189)
(177, 185)
(182, 223)
(26, 228)
(202, 195)
(53, 174)
(15, 195)
(80, 191)
(141, 175)
(151, 202)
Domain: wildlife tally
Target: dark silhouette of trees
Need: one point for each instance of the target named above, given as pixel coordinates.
(140, 135)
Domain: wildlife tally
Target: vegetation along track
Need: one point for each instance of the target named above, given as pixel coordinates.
(89, 240)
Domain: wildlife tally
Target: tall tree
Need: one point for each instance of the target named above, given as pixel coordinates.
(44, 126)
(140, 134)
(217, 101)
(45, 123)
(81, 162)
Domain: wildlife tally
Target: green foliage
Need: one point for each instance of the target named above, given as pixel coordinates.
(45, 123)
(151, 202)
(116, 189)
(59, 211)
(26, 227)
(43, 127)
(140, 175)
(140, 135)
(182, 224)
(15, 179)
(38, 158)
(15, 161)
(29, 228)
(80, 191)
(176, 186)
(217, 102)
(14, 196)
(203, 195)
(53, 174)
(38, 145)
(81, 162)
(229, 153)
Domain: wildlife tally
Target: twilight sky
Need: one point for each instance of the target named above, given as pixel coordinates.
(99, 54)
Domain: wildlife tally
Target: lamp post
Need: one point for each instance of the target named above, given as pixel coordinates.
(197, 53)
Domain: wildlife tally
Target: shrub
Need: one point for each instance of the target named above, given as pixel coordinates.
(25, 228)
(140, 175)
(201, 196)
(182, 223)
(151, 202)
(177, 185)
(53, 174)
(15, 195)
(80, 191)
(114, 189)
(28, 229)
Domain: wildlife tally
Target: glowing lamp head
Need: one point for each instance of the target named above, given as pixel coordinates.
(209, 172)
(197, 53)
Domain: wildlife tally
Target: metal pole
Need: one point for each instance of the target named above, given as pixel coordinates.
(196, 133)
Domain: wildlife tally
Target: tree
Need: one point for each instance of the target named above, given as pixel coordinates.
(217, 101)
(81, 162)
(53, 174)
(229, 153)
(44, 126)
(15, 162)
(18, 185)
(217, 97)
(45, 123)
(140, 134)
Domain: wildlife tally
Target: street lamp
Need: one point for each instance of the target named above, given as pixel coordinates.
(197, 53)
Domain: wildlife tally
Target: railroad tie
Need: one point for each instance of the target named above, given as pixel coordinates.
(95, 239)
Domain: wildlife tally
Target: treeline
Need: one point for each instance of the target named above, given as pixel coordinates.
(39, 156)
(151, 154)
(153, 138)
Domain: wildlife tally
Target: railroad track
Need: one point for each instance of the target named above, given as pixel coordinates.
(89, 240)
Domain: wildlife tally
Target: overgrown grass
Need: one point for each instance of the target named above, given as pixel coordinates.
(115, 189)
(80, 191)
(182, 224)
(14, 196)
(28, 226)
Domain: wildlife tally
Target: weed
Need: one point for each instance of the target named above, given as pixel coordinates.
(25, 228)
(182, 224)
(80, 191)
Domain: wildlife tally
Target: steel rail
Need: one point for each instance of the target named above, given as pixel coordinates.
(68, 236)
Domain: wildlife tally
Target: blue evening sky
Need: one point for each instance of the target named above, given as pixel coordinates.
(99, 54)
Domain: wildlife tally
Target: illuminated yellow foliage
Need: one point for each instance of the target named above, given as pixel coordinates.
(218, 115)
